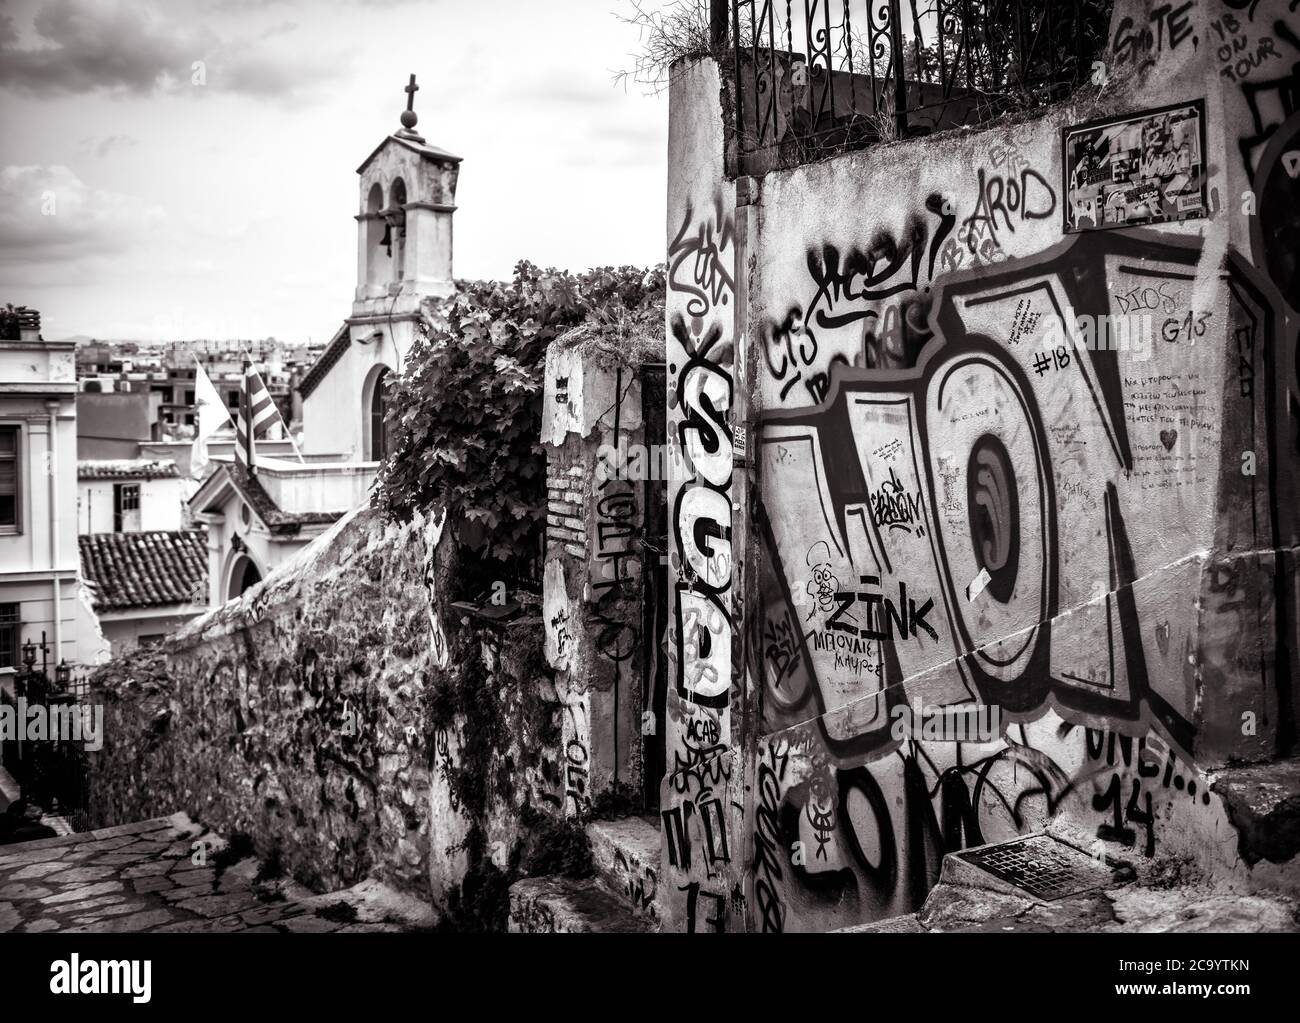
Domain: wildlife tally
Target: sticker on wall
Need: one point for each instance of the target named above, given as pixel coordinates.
(1144, 168)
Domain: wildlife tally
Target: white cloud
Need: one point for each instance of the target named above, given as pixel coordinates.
(48, 214)
(562, 166)
(103, 145)
(139, 48)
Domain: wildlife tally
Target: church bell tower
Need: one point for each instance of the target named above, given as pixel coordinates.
(404, 239)
(408, 196)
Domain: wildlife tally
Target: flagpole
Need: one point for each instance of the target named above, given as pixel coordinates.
(288, 432)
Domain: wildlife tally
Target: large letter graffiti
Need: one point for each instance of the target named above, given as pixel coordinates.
(696, 803)
(702, 517)
(964, 438)
(960, 530)
(887, 266)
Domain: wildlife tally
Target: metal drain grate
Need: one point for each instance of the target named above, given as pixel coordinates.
(1043, 867)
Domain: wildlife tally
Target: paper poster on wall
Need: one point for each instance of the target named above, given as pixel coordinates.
(1143, 168)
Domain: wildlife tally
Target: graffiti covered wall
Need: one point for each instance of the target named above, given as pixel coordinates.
(701, 795)
(1023, 427)
(593, 586)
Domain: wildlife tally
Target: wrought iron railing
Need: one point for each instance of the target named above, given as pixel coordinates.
(812, 77)
(50, 772)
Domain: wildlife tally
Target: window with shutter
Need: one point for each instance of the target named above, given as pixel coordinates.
(10, 489)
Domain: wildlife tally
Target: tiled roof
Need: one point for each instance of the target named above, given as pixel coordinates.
(127, 570)
(414, 143)
(333, 352)
(126, 468)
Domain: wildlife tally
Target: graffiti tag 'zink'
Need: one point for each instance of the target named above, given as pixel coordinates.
(905, 614)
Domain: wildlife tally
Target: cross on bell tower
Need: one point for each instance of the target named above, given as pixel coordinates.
(409, 116)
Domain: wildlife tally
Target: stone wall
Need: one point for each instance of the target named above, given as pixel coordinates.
(913, 481)
(325, 715)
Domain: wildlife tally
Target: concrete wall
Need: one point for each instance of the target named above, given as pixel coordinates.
(123, 629)
(1096, 544)
(702, 796)
(317, 486)
(593, 586)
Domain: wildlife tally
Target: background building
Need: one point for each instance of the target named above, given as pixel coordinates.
(133, 392)
(129, 496)
(38, 498)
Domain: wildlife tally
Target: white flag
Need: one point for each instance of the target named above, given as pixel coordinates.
(212, 415)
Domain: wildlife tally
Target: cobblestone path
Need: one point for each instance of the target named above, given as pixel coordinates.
(143, 877)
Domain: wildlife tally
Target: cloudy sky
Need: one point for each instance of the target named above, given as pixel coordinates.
(135, 203)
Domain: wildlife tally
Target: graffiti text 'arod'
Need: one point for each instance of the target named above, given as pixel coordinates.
(905, 614)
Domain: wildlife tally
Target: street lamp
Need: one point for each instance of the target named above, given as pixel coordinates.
(29, 654)
(63, 675)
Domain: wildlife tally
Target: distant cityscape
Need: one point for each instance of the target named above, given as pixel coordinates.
(153, 383)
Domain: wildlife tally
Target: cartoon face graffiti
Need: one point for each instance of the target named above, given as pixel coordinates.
(823, 584)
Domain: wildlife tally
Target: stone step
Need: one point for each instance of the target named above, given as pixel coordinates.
(561, 905)
(1130, 908)
(968, 894)
(1262, 804)
(1038, 881)
(626, 855)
